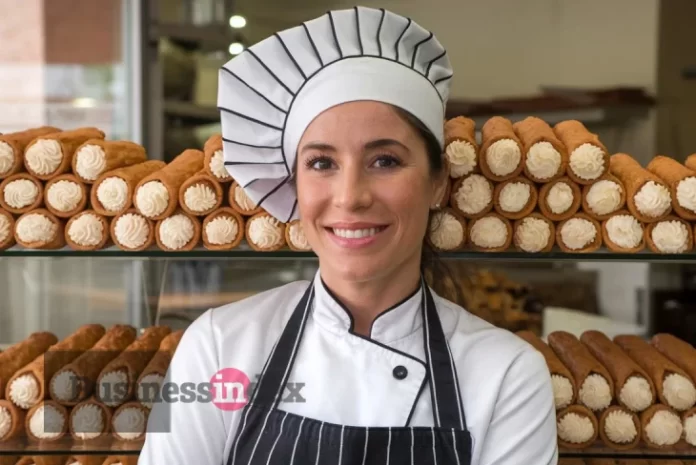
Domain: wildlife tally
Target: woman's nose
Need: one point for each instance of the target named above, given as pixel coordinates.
(352, 190)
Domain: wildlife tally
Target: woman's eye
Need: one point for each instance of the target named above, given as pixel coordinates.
(386, 161)
(320, 163)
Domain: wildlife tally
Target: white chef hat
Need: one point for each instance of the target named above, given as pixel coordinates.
(271, 92)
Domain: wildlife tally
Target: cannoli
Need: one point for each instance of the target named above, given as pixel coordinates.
(240, 201)
(515, 198)
(447, 230)
(130, 421)
(579, 234)
(157, 195)
(623, 233)
(588, 158)
(87, 231)
(560, 199)
(564, 388)
(41, 460)
(132, 232)
(47, 421)
(447, 192)
(671, 235)
(112, 192)
(52, 154)
(491, 233)
(21, 354)
(472, 196)
(546, 158)
(39, 229)
(461, 148)
(179, 232)
(152, 377)
(200, 195)
(121, 460)
(66, 195)
(76, 381)
(12, 147)
(116, 382)
(95, 157)
(534, 233)
(577, 427)
(85, 460)
(7, 225)
(604, 197)
(215, 159)
(223, 229)
(265, 233)
(689, 424)
(29, 385)
(21, 193)
(647, 196)
(673, 385)
(90, 420)
(295, 237)
(681, 182)
(662, 428)
(681, 353)
(595, 384)
(12, 421)
(619, 428)
(500, 156)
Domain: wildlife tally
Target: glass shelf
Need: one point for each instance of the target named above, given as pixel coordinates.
(69, 446)
(680, 451)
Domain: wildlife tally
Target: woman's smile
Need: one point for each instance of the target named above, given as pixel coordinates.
(356, 235)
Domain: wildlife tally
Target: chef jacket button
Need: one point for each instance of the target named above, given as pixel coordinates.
(400, 372)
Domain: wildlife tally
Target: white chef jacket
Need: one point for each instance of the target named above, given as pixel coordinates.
(349, 379)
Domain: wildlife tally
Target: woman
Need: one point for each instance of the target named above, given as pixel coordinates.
(340, 122)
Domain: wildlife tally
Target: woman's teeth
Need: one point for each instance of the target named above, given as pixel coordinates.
(356, 233)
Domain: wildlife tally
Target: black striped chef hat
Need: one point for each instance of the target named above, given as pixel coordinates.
(271, 92)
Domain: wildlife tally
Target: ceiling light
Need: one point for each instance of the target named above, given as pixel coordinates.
(236, 48)
(237, 22)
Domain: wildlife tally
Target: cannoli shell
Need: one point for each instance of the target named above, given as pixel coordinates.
(148, 243)
(18, 421)
(41, 460)
(58, 355)
(22, 353)
(9, 241)
(229, 213)
(132, 175)
(201, 178)
(503, 247)
(80, 206)
(191, 244)
(86, 459)
(454, 204)
(212, 145)
(556, 367)
(57, 242)
(106, 412)
(185, 165)
(69, 142)
(159, 364)
(288, 237)
(496, 129)
(233, 202)
(135, 405)
(88, 365)
(32, 411)
(592, 247)
(645, 419)
(574, 207)
(118, 154)
(462, 129)
(527, 209)
(281, 230)
(573, 134)
(680, 352)
(686, 415)
(38, 202)
(690, 162)
(122, 459)
(656, 365)
(603, 434)
(106, 236)
(633, 177)
(611, 245)
(447, 192)
(583, 412)
(533, 130)
(433, 224)
(672, 173)
(586, 190)
(539, 216)
(19, 141)
(651, 243)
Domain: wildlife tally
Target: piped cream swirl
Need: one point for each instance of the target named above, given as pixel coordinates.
(131, 230)
(462, 157)
(489, 232)
(222, 230)
(64, 195)
(35, 227)
(265, 232)
(90, 162)
(112, 193)
(152, 198)
(503, 157)
(446, 231)
(87, 230)
(44, 156)
(6, 157)
(176, 231)
(543, 160)
(20, 193)
(200, 197)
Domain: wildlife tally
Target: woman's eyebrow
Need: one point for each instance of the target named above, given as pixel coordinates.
(379, 143)
(321, 146)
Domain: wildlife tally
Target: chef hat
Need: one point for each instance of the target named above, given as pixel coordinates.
(271, 92)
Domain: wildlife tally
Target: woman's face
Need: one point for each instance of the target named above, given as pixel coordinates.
(365, 189)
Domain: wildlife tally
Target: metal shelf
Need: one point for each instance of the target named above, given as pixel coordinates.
(69, 446)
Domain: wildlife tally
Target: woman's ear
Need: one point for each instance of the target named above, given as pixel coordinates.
(440, 185)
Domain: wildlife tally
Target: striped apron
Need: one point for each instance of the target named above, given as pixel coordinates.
(269, 436)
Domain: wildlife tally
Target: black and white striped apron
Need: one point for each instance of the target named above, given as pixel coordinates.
(269, 436)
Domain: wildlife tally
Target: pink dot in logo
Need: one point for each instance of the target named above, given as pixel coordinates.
(230, 388)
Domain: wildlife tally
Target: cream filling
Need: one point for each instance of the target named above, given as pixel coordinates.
(587, 162)
(88, 422)
(90, 162)
(489, 232)
(217, 166)
(6, 157)
(575, 429)
(112, 388)
(298, 238)
(152, 198)
(686, 193)
(652, 199)
(64, 386)
(670, 236)
(474, 194)
(689, 430)
(132, 231)
(35, 227)
(242, 199)
(604, 197)
(560, 198)
(543, 161)
(562, 391)
(624, 231)
(577, 233)
(176, 231)
(620, 428)
(20, 193)
(503, 157)
(5, 422)
(664, 429)
(514, 196)
(86, 231)
(5, 228)
(462, 158)
(44, 156)
(113, 194)
(533, 235)
(446, 232)
(148, 388)
(200, 198)
(222, 230)
(636, 394)
(679, 392)
(265, 232)
(47, 422)
(24, 391)
(130, 423)
(595, 393)
(64, 196)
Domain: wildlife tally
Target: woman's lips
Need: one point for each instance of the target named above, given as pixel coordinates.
(355, 237)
